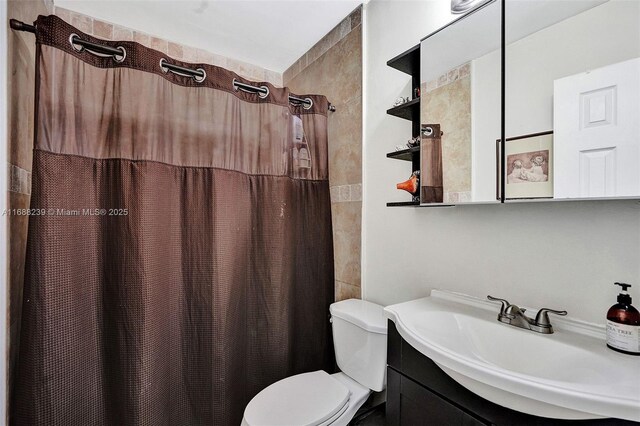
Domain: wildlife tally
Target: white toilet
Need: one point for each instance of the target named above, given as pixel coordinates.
(320, 399)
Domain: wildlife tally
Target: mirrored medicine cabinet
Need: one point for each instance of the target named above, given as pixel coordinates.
(532, 100)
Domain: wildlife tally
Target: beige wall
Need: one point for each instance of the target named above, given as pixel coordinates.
(21, 91)
(333, 67)
(112, 31)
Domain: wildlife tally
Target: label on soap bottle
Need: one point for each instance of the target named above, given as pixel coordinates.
(624, 337)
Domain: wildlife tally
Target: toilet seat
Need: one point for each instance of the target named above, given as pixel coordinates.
(309, 399)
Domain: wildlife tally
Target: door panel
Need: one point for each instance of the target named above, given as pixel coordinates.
(597, 132)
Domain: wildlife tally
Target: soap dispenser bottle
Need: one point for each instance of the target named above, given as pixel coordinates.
(623, 324)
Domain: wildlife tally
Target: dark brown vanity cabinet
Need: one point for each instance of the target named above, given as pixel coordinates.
(414, 404)
(420, 393)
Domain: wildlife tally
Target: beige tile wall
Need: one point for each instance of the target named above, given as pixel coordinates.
(446, 100)
(110, 31)
(333, 67)
(21, 65)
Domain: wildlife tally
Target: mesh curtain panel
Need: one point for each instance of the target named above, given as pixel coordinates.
(181, 259)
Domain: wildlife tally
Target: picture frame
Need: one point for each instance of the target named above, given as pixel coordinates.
(528, 166)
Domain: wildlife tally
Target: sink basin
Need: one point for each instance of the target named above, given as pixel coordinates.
(570, 374)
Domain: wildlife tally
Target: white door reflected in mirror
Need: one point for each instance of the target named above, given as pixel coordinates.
(597, 132)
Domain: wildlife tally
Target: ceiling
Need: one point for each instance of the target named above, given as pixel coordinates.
(272, 34)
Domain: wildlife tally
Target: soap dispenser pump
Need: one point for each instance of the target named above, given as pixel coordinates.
(623, 324)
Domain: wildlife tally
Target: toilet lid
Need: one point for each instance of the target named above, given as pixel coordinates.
(302, 400)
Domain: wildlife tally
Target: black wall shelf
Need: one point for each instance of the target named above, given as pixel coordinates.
(409, 110)
(404, 204)
(408, 62)
(405, 154)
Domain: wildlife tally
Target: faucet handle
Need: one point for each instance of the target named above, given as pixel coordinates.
(542, 318)
(505, 303)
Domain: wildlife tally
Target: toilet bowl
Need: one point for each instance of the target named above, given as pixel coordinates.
(318, 398)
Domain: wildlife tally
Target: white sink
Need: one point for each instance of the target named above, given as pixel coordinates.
(570, 374)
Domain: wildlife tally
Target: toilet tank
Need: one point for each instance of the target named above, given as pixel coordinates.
(360, 341)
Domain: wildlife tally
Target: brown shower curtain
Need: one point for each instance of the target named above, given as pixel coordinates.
(179, 258)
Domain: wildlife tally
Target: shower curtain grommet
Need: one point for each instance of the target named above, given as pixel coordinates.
(124, 55)
(309, 103)
(73, 45)
(162, 66)
(80, 47)
(264, 95)
(198, 79)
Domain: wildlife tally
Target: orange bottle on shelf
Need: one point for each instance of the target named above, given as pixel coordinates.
(410, 185)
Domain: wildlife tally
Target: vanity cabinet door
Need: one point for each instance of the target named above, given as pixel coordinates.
(409, 404)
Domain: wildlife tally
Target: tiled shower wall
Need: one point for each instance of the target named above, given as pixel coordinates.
(333, 67)
(21, 92)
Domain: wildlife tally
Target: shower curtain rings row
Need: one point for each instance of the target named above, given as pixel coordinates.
(199, 75)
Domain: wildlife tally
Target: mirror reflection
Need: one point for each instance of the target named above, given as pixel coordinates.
(460, 95)
(572, 99)
(572, 103)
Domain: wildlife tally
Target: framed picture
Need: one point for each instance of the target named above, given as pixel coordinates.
(529, 166)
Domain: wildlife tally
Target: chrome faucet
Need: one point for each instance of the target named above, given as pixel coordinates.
(513, 315)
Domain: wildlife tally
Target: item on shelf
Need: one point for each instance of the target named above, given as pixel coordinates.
(416, 92)
(401, 101)
(410, 185)
(411, 143)
(414, 142)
